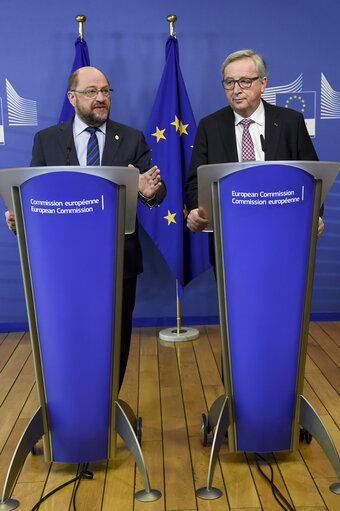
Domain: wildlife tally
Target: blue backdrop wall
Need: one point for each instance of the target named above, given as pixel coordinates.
(127, 41)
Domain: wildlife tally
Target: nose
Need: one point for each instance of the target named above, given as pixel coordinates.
(237, 88)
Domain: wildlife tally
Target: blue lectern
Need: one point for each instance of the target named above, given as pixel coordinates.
(70, 224)
(265, 220)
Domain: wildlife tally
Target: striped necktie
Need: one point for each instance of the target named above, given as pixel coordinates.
(248, 150)
(92, 147)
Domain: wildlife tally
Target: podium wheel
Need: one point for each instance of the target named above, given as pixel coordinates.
(204, 429)
(305, 436)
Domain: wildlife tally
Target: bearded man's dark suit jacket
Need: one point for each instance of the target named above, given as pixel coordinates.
(123, 145)
(286, 138)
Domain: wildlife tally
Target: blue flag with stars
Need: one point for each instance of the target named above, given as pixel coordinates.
(170, 135)
(81, 59)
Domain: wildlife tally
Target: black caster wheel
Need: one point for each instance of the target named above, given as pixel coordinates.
(139, 430)
(308, 437)
(305, 436)
(204, 430)
(33, 450)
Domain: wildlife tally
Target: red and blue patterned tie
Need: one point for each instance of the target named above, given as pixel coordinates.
(248, 151)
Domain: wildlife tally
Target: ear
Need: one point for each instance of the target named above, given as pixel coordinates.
(71, 97)
(263, 84)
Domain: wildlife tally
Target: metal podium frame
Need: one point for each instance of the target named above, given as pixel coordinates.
(221, 414)
(121, 417)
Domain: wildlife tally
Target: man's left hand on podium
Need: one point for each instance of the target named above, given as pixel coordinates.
(10, 220)
(321, 227)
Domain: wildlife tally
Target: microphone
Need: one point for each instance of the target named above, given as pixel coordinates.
(263, 143)
(68, 148)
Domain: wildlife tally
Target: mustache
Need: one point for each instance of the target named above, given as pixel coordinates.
(99, 103)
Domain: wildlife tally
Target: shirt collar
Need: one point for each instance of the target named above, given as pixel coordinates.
(257, 116)
(79, 126)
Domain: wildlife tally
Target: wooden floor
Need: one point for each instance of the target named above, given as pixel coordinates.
(170, 385)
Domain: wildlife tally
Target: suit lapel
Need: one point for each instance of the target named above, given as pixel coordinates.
(66, 131)
(227, 134)
(112, 142)
(272, 131)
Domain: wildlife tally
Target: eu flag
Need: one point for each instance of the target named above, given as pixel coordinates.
(170, 135)
(81, 59)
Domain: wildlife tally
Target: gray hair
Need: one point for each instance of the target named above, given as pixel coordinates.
(260, 64)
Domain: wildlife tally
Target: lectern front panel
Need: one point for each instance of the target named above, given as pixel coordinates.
(70, 228)
(265, 216)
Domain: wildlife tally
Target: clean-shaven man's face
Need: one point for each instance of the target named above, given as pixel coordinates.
(244, 101)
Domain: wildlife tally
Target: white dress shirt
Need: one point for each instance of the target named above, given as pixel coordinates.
(255, 129)
(81, 138)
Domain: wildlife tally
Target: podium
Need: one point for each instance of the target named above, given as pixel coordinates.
(265, 220)
(70, 224)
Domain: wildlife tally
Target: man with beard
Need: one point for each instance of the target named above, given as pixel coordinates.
(119, 145)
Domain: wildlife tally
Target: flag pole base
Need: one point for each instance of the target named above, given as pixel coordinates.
(185, 334)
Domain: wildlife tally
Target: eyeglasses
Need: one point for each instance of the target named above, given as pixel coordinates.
(244, 83)
(92, 93)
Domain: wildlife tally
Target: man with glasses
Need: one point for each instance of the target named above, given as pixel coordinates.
(112, 144)
(248, 129)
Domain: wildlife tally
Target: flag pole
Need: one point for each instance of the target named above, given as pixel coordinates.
(81, 18)
(81, 59)
(179, 334)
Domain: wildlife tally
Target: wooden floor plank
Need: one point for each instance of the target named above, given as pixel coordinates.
(60, 473)
(298, 481)
(266, 497)
(120, 481)
(200, 461)
(10, 372)
(179, 491)
(332, 329)
(193, 394)
(90, 491)
(327, 394)
(15, 400)
(325, 363)
(8, 344)
(206, 362)
(153, 456)
(327, 339)
(28, 495)
(9, 449)
(238, 479)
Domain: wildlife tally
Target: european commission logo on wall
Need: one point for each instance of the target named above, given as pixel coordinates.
(330, 100)
(20, 111)
(2, 132)
(292, 96)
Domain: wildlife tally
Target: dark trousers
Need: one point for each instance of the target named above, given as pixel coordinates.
(128, 304)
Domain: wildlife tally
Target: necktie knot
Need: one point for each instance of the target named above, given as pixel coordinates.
(246, 122)
(91, 129)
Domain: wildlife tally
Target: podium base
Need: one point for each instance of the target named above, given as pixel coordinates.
(185, 334)
(8, 504)
(148, 496)
(208, 493)
(335, 488)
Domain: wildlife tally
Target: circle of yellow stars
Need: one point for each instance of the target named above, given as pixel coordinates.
(299, 98)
